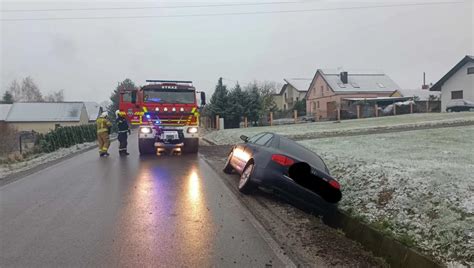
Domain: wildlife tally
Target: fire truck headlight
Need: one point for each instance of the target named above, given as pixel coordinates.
(181, 109)
(145, 130)
(192, 130)
(157, 109)
(165, 109)
(173, 109)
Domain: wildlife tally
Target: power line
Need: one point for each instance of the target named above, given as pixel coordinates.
(234, 13)
(147, 7)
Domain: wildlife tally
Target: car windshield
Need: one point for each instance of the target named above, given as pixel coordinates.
(168, 96)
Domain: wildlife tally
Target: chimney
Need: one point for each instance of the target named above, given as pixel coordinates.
(344, 77)
(424, 86)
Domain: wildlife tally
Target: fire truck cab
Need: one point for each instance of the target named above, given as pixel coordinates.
(167, 113)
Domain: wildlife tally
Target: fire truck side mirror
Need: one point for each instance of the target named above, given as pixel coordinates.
(203, 98)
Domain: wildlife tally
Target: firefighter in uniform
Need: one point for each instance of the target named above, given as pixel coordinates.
(103, 130)
(123, 132)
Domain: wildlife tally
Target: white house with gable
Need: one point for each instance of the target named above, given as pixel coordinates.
(457, 84)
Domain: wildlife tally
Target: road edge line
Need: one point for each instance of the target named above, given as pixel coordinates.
(272, 243)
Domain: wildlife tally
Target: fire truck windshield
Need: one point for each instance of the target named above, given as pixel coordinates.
(168, 96)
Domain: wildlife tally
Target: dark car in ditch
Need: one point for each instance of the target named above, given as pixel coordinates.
(272, 161)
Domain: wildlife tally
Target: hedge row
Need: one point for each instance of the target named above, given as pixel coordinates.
(64, 137)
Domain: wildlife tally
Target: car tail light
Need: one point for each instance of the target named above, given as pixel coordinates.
(282, 160)
(335, 184)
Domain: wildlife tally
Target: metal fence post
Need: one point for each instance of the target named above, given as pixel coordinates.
(295, 115)
(376, 107)
(358, 111)
(271, 118)
(217, 122)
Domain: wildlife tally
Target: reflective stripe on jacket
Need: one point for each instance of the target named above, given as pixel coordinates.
(103, 125)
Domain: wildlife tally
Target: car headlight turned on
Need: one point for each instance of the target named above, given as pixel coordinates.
(145, 130)
(192, 130)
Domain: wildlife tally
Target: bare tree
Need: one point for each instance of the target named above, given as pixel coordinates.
(15, 90)
(28, 91)
(55, 96)
(8, 142)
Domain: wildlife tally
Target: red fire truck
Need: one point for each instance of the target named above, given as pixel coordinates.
(167, 113)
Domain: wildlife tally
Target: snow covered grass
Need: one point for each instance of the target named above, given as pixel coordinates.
(416, 185)
(318, 129)
(36, 160)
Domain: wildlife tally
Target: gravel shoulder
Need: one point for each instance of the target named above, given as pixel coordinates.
(304, 237)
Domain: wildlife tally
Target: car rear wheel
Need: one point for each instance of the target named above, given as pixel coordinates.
(448, 110)
(228, 167)
(246, 185)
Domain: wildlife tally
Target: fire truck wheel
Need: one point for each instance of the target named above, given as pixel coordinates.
(146, 146)
(191, 145)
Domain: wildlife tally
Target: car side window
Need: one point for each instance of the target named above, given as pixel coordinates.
(263, 140)
(256, 137)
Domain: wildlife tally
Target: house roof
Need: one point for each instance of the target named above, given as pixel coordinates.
(466, 59)
(358, 81)
(422, 94)
(4, 110)
(301, 84)
(93, 110)
(45, 112)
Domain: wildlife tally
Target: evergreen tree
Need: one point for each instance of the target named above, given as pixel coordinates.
(254, 104)
(219, 101)
(7, 97)
(126, 84)
(300, 107)
(238, 101)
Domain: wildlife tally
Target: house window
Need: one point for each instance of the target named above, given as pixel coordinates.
(456, 95)
(317, 104)
(285, 96)
(297, 98)
(322, 88)
(284, 107)
(470, 70)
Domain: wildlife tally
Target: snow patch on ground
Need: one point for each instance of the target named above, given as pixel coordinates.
(318, 129)
(8, 169)
(419, 185)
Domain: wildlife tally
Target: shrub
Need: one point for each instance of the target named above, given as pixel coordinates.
(64, 137)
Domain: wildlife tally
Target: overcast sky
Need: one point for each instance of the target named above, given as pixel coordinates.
(87, 57)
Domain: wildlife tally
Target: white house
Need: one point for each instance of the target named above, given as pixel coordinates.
(292, 91)
(458, 83)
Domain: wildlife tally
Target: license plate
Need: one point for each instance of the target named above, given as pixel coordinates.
(170, 135)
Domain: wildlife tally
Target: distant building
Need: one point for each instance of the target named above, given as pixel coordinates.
(417, 94)
(457, 84)
(93, 110)
(292, 91)
(45, 116)
(4, 110)
(329, 87)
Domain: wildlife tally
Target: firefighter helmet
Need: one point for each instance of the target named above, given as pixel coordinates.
(117, 113)
(104, 114)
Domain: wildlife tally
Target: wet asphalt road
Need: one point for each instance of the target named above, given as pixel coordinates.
(153, 211)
